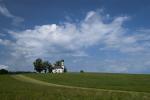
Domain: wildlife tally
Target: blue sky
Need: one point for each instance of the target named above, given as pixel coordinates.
(90, 35)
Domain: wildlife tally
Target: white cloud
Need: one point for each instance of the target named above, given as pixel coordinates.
(3, 67)
(4, 11)
(79, 54)
(5, 42)
(73, 37)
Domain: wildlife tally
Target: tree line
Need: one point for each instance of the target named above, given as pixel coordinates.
(46, 66)
(3, 71)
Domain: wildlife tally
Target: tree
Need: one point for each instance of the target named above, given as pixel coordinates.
(81, 71)
(3, 71)
(45, 66)
(50, 67)
(38, 65)
(65, 70)
(58, 63)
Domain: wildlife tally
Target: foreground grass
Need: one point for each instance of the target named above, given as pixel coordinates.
(11, 89)
(125, 82)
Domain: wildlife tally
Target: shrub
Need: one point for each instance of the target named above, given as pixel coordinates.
(3, 71)
(65, 70)
(81, 71)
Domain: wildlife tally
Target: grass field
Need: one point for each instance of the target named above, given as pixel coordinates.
(12, 89)
(127, 82)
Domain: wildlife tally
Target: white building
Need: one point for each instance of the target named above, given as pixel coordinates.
(58, 67)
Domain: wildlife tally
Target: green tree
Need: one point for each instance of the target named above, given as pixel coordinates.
(58, 63)
(38, 65)
(45, 66)
(3, 71)
(50, 67)
(81, 71)
(65, 70)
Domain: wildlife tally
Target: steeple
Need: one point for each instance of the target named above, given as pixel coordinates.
(62, 63)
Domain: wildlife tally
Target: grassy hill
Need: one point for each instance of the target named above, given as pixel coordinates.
(12, 89)
(127, 82)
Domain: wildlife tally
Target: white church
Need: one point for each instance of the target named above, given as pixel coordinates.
(58, 67)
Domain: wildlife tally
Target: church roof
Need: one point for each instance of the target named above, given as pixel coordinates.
(58, 67)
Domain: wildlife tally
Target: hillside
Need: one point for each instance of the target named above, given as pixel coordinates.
(13, 87)
(126, 82)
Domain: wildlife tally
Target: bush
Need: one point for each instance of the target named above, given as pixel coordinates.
(3, 71)
(81, 71)
(65, 70)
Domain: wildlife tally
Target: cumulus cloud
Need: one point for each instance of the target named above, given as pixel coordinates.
(73, 39)
(5, 12)
(3, 67)
(5, 42)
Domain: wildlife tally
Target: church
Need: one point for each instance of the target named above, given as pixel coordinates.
(58, 67)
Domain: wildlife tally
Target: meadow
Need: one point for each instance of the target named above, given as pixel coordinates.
(12, 89)
(126, 82)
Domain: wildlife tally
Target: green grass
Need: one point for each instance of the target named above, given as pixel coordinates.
(11, 89)
(127, 82)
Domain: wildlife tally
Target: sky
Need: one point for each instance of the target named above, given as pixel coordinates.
(91, 35)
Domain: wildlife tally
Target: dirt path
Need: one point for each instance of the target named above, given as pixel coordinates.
(31, 80)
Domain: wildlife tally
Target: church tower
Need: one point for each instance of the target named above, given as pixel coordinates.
(62, 64)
